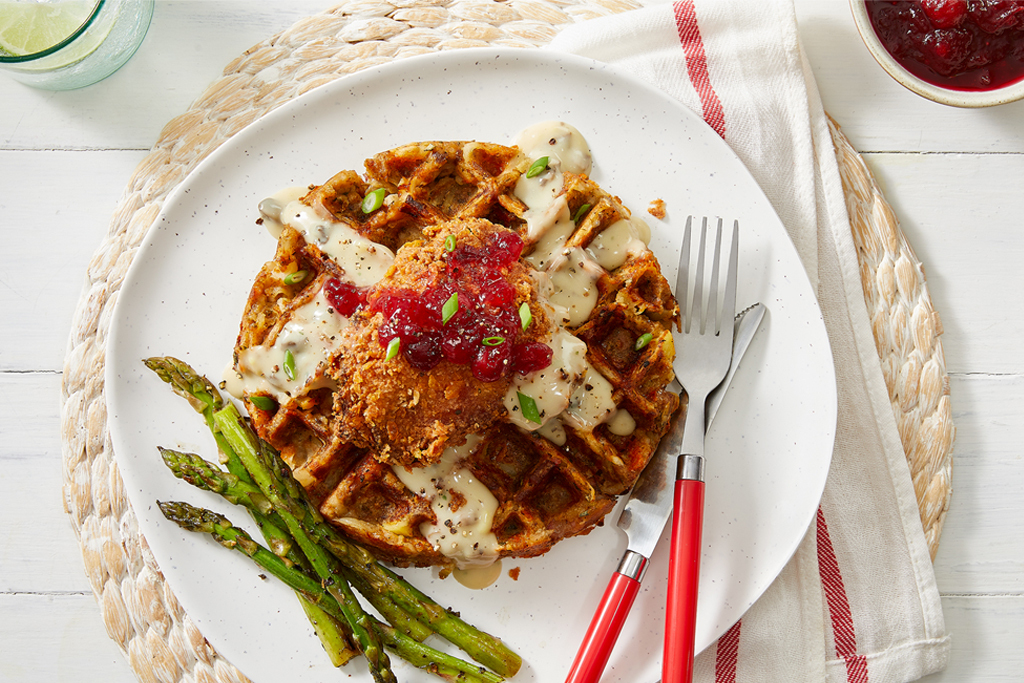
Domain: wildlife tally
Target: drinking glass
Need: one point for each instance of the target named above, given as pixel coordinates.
(107, 35)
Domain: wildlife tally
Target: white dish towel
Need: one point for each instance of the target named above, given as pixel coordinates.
(858, 602)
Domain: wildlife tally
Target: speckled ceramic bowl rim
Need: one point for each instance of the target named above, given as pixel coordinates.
(953, 98)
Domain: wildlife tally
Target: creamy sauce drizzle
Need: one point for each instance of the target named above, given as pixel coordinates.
(462, 531)
(621, 423)
(478, 578)
(312, 335)
(556, 139)
(621, 239)
(552, 387)
(363, 261)
(270, 208)
(569, 391)
(554, 431)
(548, 228)
(591, 401)
(574, 279)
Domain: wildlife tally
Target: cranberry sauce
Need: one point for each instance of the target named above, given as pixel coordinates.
(344, 296)
(470, 318)
(955, 44)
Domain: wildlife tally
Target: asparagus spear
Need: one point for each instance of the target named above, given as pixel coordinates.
(206, 399)
(482, 647)
(232, 433)
(202, 396)
(245, 445)
(330, 631)
(205, 475)
(218, 526)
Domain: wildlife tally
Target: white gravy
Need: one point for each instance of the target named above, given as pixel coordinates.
(574, 279)
(621, 239)
(271, 208)
(363, 261)
(591, 401)
(464, 534)
(569, 391)
(311, 337)
(552, 387)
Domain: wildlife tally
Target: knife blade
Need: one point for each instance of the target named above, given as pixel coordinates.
(644, 516)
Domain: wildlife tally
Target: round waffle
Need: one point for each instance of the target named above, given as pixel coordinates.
(374, 438)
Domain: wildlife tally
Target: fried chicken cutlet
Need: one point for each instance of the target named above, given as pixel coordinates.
(450, 307)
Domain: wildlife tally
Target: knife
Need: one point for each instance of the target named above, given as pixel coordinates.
(643, 519)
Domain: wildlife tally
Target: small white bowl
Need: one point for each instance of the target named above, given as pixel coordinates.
(953, 98)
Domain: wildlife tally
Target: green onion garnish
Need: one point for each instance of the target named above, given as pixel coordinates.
(537, 167)
(450, 308)
(449, 243)
(374, 200)
(263, 402)
(525, 315)
(289, 364)
(580, 212)
(529, 408)
(295, 278)
(393, 346)
(492, 341)
(643, 340)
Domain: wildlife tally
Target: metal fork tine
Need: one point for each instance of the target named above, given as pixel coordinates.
(683, 274)
(697, 307)
(729, 305)
(712, 307)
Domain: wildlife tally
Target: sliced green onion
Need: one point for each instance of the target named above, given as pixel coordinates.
(492, 341)
(393, 347)
(450, 308)
(529, 408)
(263, 402)
(295, 278)
(537, 167)
(374, 200)
(449, 243)
(525, 315)
(289, 364)
(643, 340)
(580, 212)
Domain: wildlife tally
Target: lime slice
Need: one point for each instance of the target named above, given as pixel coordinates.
(29, 27)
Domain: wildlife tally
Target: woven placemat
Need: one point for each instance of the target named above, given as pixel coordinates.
(139, 610)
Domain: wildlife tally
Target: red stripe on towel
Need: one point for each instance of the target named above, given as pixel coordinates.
(843, 635)
(697, 64)
(726, 654)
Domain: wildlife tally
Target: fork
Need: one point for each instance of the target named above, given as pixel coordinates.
(703, 357)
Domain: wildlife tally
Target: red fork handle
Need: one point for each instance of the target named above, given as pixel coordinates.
(683, 573)
(607, 623)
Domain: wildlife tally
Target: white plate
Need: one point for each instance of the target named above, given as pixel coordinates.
(768, 452)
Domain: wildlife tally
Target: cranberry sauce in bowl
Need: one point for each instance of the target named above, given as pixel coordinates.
(964, 45)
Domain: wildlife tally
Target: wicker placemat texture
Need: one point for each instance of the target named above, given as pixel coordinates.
(139, 610)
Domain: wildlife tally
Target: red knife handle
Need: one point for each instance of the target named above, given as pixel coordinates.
(683, 573)
(608, 620)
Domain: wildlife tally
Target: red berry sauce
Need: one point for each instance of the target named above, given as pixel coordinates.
(483, 332)
(345, 297)
(954, 44)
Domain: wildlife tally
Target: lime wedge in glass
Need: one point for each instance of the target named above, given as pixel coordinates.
(30, 27)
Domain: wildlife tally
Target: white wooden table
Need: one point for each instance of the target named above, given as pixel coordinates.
(953, 177)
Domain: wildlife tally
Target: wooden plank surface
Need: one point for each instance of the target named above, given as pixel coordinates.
(952, 176)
